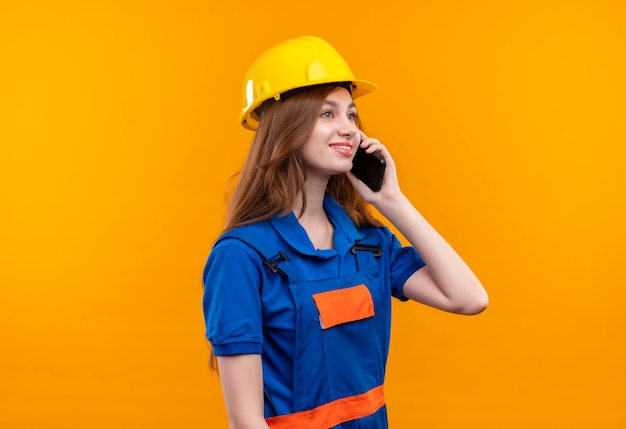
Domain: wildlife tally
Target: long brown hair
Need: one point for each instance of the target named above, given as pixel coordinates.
(275, 172)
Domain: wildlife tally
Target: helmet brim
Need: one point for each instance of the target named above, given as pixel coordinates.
(359, 88)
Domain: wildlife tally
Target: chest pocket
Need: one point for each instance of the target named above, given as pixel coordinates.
(344, 305)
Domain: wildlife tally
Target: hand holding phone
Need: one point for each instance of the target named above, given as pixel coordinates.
(369, 168)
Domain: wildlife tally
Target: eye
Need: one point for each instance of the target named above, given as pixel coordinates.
(352, 116)
(327, 114)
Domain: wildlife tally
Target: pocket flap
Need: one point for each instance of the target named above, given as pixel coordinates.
(344, 305)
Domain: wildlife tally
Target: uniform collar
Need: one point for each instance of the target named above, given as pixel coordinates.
(295, 235)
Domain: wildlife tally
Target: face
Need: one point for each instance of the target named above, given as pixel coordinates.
(334, 139)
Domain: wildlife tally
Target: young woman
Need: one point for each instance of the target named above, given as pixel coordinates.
(298, 288)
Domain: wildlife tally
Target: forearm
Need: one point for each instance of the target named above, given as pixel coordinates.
(242, 385)
(450, 273)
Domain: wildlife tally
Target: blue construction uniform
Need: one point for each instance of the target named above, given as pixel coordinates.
(320, 318)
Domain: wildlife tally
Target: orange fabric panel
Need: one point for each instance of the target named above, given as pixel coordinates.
(344, 305)
(332, 413)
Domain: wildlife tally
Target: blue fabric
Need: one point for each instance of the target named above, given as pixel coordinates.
(250, 309)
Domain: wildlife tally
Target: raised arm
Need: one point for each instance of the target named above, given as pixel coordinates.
(242, 386)
(446, 282)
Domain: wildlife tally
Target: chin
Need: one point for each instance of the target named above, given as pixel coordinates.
(341, 172)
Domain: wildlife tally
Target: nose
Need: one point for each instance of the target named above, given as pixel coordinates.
(346, 128)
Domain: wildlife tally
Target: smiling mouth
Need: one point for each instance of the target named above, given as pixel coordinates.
(343, 148)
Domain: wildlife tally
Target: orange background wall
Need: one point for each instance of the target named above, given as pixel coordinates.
(118, 131)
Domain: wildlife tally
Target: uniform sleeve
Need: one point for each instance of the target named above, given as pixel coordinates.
(404, 261)
(232, 300)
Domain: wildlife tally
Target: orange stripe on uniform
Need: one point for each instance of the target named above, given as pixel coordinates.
(332, 413)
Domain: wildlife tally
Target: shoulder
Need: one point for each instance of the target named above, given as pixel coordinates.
(233, 255)
(380, 234)
(244, 236)
(257, 240)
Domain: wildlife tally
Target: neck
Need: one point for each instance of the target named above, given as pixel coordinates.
(314, 219)
(314, 201)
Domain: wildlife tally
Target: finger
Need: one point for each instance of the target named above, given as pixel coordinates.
(374, 146)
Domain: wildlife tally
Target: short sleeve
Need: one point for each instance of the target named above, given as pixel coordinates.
(404, 261)
(232, 299)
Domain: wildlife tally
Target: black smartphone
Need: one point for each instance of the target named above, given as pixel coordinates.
(369, 168)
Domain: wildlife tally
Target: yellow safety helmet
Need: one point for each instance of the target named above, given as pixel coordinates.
(294, 63)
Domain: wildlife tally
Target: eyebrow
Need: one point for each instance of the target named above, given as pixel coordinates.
(335, 104)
